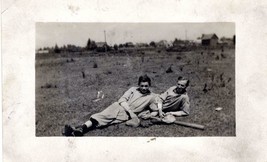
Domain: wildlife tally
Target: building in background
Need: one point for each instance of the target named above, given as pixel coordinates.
(209, 39)
(226, 41)
(129, 44)
(101, 46)
(163, 44)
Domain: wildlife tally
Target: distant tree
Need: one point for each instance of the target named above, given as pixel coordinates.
(179, 42)
(153, 44)
(64, 48)
(51, 49)
(56, 50)
(222, 38)
(115, 47)
(93, 45)
(234, 39)
(120, 45)
(109, 48)
(88, 45)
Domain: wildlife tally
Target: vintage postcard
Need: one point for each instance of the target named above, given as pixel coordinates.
(133, 80)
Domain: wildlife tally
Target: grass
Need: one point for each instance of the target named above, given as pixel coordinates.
(71, 102)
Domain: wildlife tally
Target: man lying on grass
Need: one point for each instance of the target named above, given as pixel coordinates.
(134, 101)
(174, 101)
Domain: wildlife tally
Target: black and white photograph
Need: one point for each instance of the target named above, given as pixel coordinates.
(135, 79)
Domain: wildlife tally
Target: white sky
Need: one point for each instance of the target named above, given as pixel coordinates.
(48, 34)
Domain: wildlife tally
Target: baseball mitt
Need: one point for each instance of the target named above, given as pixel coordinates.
(168, 119)
(145, 123)
(134, 122)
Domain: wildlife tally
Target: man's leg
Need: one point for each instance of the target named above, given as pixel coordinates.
(82, 129)
(111, 115)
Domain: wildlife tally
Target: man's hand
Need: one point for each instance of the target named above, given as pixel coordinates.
(161, 114)
(132, 114)
(145, 115)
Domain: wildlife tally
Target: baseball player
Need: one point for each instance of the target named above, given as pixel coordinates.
(174, 101)
(133, 101)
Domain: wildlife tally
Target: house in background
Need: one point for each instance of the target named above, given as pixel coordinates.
(181, 43)
(209, 39)
(42, 51)
(163, 44)
(142, 45)
(129, 44)
(227, 41)
(101, 46)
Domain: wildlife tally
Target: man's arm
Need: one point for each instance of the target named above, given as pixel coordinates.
(126, 107)
(127, 95)
(177, 113)
(161, 113)
(160, 100)
(184, 110)
(123, 102)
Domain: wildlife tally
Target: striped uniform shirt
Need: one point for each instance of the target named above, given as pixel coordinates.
(171, 101)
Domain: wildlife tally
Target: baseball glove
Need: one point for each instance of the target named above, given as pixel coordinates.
(134, 122)
(145, 123)
(168, 119)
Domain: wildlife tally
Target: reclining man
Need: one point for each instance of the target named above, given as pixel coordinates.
(174, 101)
(134, 101)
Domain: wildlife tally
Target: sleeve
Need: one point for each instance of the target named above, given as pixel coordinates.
(155, 98)
(155, 101)
(126, 96)
(186, 105)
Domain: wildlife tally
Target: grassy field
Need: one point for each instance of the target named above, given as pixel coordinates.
(64, 96)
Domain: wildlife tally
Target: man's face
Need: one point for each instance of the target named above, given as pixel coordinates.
(181, 86)
(144, 87)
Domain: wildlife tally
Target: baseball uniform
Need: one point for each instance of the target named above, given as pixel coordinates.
(171, 101)
(115, 113)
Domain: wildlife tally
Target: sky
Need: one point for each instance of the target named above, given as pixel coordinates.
(49, 34)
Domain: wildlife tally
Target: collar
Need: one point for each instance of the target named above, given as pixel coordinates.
(174, 90)
(148, 92)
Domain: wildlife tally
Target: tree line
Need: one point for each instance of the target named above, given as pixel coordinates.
(91, 45)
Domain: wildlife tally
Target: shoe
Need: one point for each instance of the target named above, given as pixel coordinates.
(80, 130)
(68, 131)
